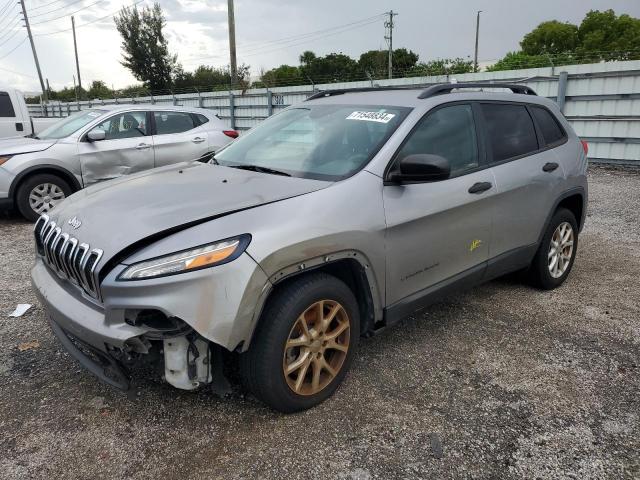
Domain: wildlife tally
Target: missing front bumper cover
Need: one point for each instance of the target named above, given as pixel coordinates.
(101, 364)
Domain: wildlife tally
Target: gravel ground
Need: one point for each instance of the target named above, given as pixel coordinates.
(504, 381)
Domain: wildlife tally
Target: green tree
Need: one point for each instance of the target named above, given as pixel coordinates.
(334, 67)
(284, 75)
(517, 60)
(376, 62)
(616, 37)
(600, 36)
(307, 58)
(442, 66)
(99, 89)
(145, 50)
(551, 37)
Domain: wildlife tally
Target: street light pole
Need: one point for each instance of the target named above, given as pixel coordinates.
(75, 48)
(232, 43)
(475, 58)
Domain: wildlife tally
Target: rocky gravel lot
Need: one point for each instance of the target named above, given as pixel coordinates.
(502, 382)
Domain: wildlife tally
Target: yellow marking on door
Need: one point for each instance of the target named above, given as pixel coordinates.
(475, 244)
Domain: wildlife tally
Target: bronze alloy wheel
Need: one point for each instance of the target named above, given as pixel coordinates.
(317, 347)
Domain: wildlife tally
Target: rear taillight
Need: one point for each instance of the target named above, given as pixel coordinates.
(585, 146)
(230, 133)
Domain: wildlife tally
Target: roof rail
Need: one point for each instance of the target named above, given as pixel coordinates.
(340, 91)
(443, 88)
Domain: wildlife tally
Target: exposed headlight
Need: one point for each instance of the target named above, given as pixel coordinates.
(188, 260)
(4, 158)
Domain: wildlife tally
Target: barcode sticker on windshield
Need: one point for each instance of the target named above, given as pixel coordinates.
(379, 117)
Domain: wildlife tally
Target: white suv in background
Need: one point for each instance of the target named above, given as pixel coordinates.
(38, 172)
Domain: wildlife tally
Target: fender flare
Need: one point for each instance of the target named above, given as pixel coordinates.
(309, 265)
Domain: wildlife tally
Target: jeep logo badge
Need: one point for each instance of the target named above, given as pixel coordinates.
(75, 223)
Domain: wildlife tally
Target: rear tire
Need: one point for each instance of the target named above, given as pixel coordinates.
(39, 193)
(291, 367)
(557, 251)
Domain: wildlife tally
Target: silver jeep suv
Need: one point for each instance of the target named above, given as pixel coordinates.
(329, 221)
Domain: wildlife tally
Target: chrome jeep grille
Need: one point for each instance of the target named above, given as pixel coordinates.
(69, 258)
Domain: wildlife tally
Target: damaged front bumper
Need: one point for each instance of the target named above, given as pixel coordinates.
(181, 317)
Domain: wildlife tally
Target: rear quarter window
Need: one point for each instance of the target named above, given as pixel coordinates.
(548, 125)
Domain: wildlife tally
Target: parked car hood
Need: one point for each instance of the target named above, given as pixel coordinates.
(136, 209)
(14, 146)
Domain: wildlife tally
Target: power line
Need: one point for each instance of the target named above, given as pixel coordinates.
(87, 23)
(13, 49)
(9, 27)
(302, 35)
(260, 51)
(262, 45)
(55, 10)
(16, 73)
(16, 17)
(311, 39)
(45, 5)
(4, 9)
(67, 14)
(15, 32)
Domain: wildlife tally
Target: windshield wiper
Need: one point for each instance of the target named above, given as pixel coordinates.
(258, 168)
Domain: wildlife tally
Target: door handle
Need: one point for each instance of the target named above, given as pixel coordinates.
(143, 146)
(479, 187)
(550, 166)
(198, 140)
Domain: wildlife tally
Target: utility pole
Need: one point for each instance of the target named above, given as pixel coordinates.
(45, 96)
(475, 58)
(75, 48)
(389, 38)
(232, 43)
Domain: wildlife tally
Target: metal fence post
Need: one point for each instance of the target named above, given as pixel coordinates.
(200, 99)
(563, 79)
(232, 111)
(269, 103)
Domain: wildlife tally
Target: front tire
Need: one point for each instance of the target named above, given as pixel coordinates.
(557, 251)
(39, 193)
(304, 345)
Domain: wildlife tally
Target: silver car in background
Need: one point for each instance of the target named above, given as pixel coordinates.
(99, 144)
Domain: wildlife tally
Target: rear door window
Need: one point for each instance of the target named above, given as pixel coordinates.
(173, 122)
(6, 107)
(548, 125)
(510, 130)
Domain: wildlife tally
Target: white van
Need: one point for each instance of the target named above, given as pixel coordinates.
(15, 120)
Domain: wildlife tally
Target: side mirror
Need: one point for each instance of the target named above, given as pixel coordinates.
(421, 167)
(96, 135)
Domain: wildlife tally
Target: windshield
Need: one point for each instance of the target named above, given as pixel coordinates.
(324, 142)
(70, 125)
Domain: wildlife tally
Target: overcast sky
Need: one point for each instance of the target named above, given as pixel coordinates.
(270, 32)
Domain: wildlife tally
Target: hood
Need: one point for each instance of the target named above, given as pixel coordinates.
(115, 214)
(15, 146)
